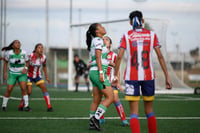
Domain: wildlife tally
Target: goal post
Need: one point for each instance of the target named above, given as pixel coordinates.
(115, 29)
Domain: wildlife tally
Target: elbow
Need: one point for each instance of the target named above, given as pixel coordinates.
(160, 57)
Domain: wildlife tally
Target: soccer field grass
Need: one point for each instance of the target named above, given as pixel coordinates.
(175, 113)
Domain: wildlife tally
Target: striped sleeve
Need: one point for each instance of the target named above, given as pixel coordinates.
(123, 42)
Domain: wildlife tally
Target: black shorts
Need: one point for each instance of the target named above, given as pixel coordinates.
(85, 74)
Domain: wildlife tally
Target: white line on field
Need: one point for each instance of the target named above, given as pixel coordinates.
(89, 99)
(86, 118)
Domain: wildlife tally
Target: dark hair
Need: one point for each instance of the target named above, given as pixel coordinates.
(36, 47)
(109, 39)
(135, 14)
(136, 19)
(76, 55)
(9, 47)
(91, 32)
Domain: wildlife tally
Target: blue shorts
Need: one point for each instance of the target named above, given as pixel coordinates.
(132, 90)
(38, 80)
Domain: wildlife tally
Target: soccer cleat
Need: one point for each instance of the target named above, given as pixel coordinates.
(50, 109)
(95, 122)
(27, 109)
(20, 109)
(102, 121)
(3, 109)
(91, 126)
(125, 123)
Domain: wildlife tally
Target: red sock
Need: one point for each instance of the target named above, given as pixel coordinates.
(134, 123)
(47, 99)
(120, 110)
(21, 105)
(152, 125)
(102, 117)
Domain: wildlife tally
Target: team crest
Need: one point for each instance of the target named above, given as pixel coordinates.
(134, 44)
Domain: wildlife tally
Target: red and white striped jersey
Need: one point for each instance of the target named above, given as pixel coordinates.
(111, 57)
(35, 65)
(139, 44)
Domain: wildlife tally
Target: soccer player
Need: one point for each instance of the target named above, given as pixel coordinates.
(110, 72)
(18, 65)
(81, 69)
(37, 60)
(139, 43)
(97, 74)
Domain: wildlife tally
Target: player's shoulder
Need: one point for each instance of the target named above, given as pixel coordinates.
(44, 56)
(113, 53)
(148, 31)
(32, 54)
(97, 40)
(10, 51)
(23, 51)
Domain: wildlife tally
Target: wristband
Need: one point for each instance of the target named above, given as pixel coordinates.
(25, 67)
(101, 71)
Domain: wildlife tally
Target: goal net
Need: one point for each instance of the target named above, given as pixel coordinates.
(115, 30)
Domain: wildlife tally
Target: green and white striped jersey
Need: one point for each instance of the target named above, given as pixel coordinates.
(97, 43)
(16, 61)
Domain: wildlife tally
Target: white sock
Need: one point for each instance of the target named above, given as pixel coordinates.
(5, 101)
(100, 111)
(25, 97)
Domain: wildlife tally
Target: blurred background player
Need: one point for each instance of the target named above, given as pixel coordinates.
(18, 65)
(37, 60)
(110, 72)
(139, 44)
(81, 69)
(98, 74)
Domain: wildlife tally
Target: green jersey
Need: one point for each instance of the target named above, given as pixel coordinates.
(97, 43)
(16, 61)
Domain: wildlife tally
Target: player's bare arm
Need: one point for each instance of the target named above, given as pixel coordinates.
(99, 64)
(164, 68)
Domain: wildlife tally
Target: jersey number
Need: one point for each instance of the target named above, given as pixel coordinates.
(145, 59)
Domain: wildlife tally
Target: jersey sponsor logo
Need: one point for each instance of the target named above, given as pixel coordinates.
(139, 37)
(98, 44)
(140, 43)
(35, 65)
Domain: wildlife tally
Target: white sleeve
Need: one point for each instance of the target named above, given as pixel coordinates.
(98, 43)
(26, 56)
(7, 55)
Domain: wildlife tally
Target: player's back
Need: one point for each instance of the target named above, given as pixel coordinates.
(139, 44)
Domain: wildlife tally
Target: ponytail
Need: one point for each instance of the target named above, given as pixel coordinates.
(136, 22)
(88, 40)
(8, 47)
(91, 32)
(136, 18)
